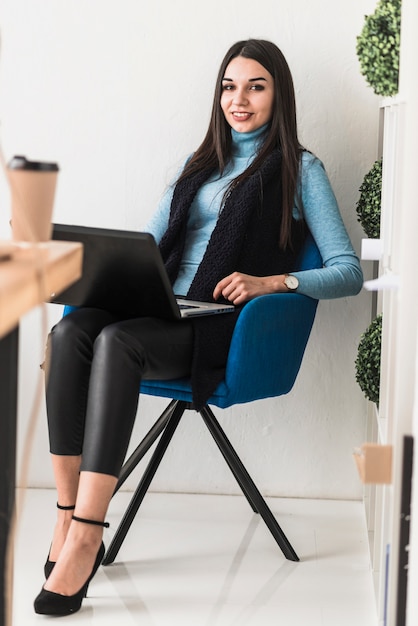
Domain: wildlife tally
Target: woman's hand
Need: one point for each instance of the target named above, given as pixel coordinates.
(239, 288)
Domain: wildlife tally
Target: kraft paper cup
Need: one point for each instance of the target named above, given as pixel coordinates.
(32, 185)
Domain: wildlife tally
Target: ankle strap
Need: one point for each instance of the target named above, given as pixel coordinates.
(71, 507)
(91, 521)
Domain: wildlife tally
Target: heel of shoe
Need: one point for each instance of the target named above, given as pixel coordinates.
(97, 563)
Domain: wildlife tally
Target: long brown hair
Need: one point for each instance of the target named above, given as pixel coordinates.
(216, 148)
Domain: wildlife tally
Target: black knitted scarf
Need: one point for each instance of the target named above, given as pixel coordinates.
(245, 239)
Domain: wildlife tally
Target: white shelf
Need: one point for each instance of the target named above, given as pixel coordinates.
(381, 423)
(391, 101)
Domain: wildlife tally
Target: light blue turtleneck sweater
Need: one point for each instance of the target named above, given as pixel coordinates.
(341, 275)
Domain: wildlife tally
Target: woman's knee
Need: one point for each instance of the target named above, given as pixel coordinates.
(61, 339)
(116, 344)
(65, 330)
(72, 337)
(80, 326)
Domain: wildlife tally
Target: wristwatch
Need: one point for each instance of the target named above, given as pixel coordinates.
(291, 282)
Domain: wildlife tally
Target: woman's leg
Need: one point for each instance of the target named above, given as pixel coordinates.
(66, 472)
(124, 352)
(83, 540)
(68, 364)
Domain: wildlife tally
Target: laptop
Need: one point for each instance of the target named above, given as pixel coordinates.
(123, 272)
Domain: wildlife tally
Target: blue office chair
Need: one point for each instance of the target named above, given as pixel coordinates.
(265, 355)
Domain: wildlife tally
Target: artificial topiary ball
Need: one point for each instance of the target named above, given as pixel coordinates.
(378, 47)
(369, 203)
(368, 360)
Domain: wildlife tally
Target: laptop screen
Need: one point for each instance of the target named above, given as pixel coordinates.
(123, 272)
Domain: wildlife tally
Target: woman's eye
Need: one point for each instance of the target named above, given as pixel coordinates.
(229, 87)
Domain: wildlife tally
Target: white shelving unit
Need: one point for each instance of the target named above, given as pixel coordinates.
(398, 301)
(379, 498)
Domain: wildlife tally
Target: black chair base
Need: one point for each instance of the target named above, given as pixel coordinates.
(165, 428)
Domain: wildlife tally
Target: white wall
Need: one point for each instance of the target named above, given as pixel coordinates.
(119, 92)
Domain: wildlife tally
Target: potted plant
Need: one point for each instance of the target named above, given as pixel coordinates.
(378, 47)
(368, 360)
(369, 203)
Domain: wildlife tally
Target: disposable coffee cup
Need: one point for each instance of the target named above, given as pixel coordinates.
(32, 186)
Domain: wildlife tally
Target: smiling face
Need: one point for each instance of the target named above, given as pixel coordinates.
(247, 95)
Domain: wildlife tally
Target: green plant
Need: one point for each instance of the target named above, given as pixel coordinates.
(369, 203)
(378, 47)
(368, 360)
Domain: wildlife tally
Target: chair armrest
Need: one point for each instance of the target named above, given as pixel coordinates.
(268, 344)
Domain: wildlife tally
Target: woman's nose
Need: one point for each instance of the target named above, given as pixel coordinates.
(240, 96)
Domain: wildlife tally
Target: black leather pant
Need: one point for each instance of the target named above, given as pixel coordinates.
(94, 364)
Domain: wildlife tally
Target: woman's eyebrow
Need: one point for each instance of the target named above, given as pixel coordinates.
(250, 80)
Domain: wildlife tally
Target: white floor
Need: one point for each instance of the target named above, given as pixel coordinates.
(201, 560)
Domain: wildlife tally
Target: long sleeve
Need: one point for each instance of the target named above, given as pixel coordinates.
(341, 275)
(157, 224)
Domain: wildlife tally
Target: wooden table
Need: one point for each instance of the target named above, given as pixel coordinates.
(31, 276)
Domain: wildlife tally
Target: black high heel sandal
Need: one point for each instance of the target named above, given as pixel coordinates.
(51, 603)
(49, 565)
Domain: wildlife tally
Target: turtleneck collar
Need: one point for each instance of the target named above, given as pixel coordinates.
(245, 145)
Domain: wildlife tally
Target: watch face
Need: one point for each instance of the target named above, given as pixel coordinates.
(292, 282)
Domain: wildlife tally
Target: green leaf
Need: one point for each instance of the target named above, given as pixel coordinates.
(367, 363)
(378, 47)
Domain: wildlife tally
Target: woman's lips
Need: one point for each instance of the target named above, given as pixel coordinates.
(241, 117)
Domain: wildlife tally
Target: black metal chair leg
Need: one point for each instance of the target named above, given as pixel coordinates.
(146, 443)
(242, 485)
(246, 482)
(145, 482)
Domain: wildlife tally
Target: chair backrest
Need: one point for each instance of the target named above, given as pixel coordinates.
(310, 257)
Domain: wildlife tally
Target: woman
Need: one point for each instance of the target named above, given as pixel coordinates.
(230, 228)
